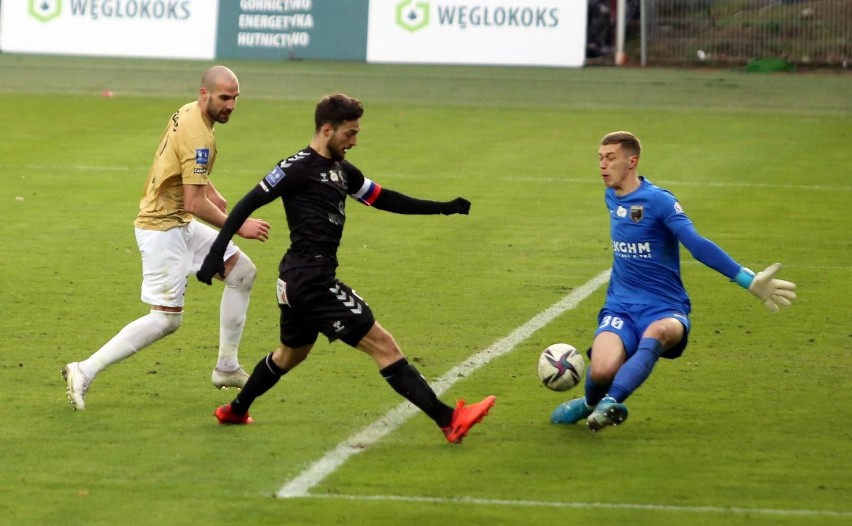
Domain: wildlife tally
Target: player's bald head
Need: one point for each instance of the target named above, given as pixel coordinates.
(216, 75)
(218, 93)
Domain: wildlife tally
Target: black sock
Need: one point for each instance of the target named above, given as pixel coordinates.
(408, 382)
(265, 375)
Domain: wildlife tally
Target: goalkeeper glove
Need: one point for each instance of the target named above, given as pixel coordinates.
(771, 291)
(213, 264)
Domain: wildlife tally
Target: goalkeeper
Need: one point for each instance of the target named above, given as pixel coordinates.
(646, 312)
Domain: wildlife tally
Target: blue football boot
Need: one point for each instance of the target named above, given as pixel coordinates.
(607, 413)
(570, 412)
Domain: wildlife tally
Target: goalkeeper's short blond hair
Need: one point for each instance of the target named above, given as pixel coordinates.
(627, 140)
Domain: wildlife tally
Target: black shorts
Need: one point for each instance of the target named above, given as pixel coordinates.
(313, 301)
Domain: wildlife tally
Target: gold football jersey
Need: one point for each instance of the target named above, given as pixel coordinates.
(185, 155)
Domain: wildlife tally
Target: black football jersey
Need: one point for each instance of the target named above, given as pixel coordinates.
(314, 190)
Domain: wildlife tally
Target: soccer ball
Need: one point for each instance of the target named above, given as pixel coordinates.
(561, 367)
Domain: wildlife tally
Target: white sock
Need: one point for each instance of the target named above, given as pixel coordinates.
(135, 336)
(232, 312)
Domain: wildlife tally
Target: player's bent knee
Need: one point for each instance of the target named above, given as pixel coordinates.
(657, 332)
(664, 331)
(243, 273)
(604, 371)
(167, 322)
(602, 376)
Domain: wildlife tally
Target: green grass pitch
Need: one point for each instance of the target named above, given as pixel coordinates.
(749, 427)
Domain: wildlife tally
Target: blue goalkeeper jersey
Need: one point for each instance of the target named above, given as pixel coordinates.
(646, 251)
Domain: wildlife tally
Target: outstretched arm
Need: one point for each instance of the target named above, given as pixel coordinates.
(392, 201)
(771, 291)
(371, 193)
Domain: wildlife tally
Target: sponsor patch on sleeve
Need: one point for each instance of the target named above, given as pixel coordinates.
(677, 208)
(202, 155)
(275, 176)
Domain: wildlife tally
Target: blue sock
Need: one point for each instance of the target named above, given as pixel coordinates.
(636, 369)
(594, 392)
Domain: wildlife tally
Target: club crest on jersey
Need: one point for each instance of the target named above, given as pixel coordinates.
(202, 155)
(274, 177)
(636, 213)
(335, 176)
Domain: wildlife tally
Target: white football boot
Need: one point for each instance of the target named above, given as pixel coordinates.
(223, 379)
(76, 385)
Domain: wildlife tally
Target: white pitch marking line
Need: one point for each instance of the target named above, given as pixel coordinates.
(319, 470)
(591, 505)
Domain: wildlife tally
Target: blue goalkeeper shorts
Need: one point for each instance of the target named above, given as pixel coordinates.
(630, 321)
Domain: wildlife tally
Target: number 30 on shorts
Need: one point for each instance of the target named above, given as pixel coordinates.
(612, 321)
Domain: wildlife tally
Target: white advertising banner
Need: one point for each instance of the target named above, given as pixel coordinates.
(486, 32)
(126, 28)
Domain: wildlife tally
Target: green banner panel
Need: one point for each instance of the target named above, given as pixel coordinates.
(293, 29)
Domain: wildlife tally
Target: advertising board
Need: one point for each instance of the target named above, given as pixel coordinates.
(486, 32)
(293, 29)
(126, 28)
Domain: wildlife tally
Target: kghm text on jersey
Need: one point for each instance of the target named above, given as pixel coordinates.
(627, 249)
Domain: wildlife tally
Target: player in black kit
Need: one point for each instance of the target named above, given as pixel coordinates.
(313, 185)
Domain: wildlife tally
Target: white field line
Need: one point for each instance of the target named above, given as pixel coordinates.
(591, 505)
(319, 470)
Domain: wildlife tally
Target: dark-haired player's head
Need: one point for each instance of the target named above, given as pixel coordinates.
(336, 109)
(337, 119)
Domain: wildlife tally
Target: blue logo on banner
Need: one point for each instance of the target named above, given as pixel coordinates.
(202, 155)
(274, 177)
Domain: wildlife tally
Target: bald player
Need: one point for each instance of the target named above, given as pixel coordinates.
(173, 240)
